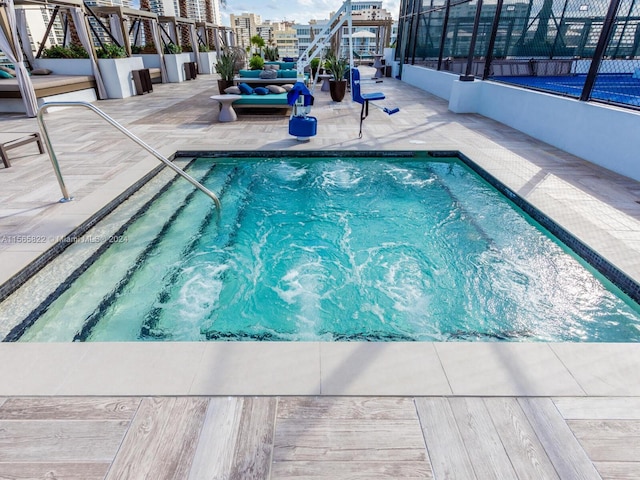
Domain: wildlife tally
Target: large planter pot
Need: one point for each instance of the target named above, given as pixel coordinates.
(206, 62)
(116, 75)
(337, 89)
(175, 66)
(150, 60)
(223, 84)
(65, 66)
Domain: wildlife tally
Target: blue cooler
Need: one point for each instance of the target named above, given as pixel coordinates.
(303, 127)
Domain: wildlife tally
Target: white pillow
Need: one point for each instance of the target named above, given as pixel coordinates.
(287, 86)
(276, 89)
(233, 90)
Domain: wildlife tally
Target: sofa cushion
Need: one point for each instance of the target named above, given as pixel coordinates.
(275, 89)
(250, 73)
(233, 90)
(279, 99)
(269, 74)
(245, 89)
(4, 74)
(287, 65)
(41, 71)
(8, 70)
(261, 91)
(287, 73)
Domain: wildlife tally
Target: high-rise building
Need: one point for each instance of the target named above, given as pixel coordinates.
(245, 27)
(196, 9)
(286, 40)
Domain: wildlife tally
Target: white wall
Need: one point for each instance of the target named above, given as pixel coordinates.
(432, 81)
(604, 135)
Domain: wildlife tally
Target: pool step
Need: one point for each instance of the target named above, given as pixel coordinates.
(98, 281)
(118, 316)
(160, 323)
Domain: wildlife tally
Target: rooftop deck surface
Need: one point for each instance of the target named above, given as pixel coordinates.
(312, 410)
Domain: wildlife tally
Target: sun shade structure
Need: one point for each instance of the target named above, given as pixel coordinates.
(124, 21)
(13, 32)
(10, 45)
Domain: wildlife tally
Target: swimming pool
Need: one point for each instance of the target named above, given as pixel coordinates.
(412, 248)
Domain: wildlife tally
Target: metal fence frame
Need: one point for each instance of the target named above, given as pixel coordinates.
(441, 34)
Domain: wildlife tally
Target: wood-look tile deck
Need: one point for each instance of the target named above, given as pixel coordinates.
(458, 432)
(316, 438)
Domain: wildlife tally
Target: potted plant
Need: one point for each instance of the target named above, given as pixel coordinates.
(70, 60)
(337, 67)
(314, 64)
(110, 50)
(226, 69)
(256, 63)
(115, 68)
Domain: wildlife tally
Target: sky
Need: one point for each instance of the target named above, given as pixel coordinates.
(300, 11)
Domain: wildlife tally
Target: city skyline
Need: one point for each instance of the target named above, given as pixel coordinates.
(300, 11)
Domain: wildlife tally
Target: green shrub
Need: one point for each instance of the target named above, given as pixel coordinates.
(256, 63)
(271, 53)
(110, 50)
(58, 51)
(226, 65)
(172, 48)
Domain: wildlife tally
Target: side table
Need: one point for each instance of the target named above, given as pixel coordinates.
(378, 65)
(325, 82)
(227, 113)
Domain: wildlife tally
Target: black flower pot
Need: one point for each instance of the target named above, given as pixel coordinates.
(337, 89)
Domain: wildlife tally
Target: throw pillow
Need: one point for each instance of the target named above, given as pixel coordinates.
(261, 91)
(233, 90)
(287, 86)
(271, 66)
(4, 74)
(8, 70)
(269, 74)
(245, 89)
(41, 71)
(276, 89)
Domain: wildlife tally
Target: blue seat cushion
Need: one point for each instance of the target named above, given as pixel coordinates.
(373, 96)
(245, 89)
(250, 73)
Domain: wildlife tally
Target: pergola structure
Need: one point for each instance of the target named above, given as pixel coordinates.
(215, 36)
(16, 44)
(177, 29)
(124, 22)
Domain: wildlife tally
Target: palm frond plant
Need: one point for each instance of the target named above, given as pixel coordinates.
(226, 69)
(337, 68)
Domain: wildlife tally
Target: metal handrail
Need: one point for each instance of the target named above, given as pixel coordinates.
(56, 166)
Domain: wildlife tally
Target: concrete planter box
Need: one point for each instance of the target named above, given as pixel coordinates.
(66, 66)
(206, 62)
(150, 60)
(116, 75)
(175, 66)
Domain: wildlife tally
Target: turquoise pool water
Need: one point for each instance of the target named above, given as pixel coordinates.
(336, 250)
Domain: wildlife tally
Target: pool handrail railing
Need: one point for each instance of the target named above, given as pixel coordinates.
(56, 166)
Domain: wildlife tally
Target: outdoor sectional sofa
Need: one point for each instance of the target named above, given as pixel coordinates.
(271, 100)
(252, 78)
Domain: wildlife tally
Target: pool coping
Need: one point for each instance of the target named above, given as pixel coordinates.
(320, 369)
